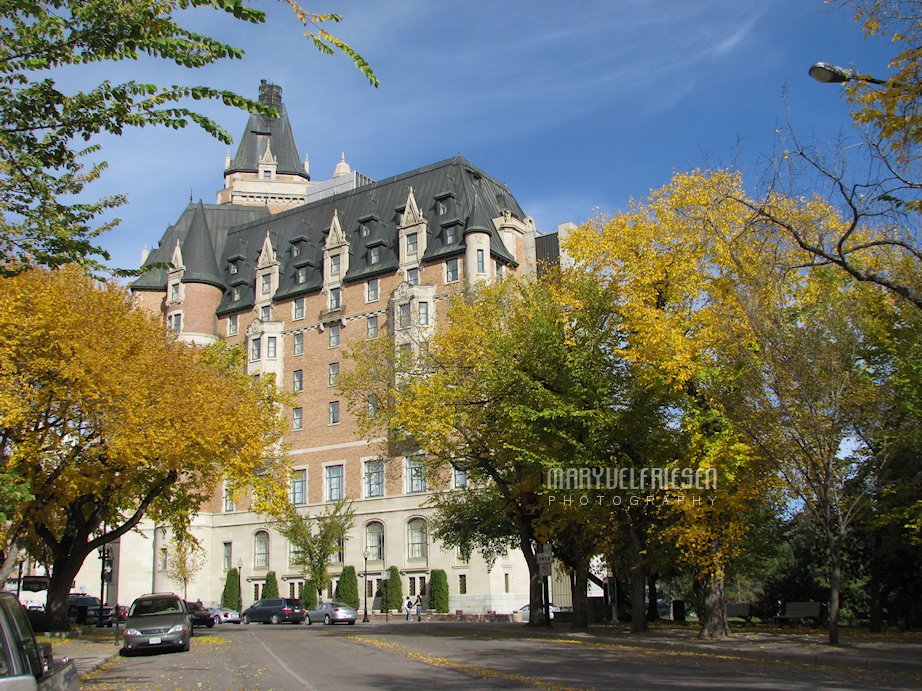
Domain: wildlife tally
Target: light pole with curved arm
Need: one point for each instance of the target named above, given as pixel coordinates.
(827, 73)
(365, 579)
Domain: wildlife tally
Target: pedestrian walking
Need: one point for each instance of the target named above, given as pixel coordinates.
(419, 607)
(408, 608)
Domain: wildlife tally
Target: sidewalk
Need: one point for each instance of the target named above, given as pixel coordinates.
(89, 650)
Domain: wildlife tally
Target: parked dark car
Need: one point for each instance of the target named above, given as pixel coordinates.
(199, 615)
(157, 621)
(76, 602)
(274, 610)
(331, 613)
(26, 663)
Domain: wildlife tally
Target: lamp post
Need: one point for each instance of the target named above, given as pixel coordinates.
(827, 73)
(239, 585)
(365, 579)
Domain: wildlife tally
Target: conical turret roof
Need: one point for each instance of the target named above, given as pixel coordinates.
(198, 252)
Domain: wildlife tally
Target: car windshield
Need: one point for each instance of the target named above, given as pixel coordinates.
(146, 608)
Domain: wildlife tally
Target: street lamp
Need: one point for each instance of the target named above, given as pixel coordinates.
(827, 73)
(365, 578)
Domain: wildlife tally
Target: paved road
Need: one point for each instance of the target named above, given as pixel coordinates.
(424, 656)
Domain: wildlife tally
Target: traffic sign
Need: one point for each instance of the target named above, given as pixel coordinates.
(544, 569)
(545, 553)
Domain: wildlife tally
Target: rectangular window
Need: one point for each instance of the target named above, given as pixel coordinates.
(422, 585)
(175, 322)
(462, 584)
(461, 478)
(298, 344)
(374, 478)
(299, 487)
(412, 244)
(424, 313)
(235, 294)
(270, 346)
(334, 265)
(335, 298)
(228, 497)
(255, 592)
(174, 292)
(413, 277)
(227, 555)
(374, 255)
(334, 482)
(265, 284)
(372, 327)
(255, 348)
(163, 560)
(334, 335)
(370, 587)
(481, 263)
(372, 290)
(332, 374)
(297, 418)
(506, 581)
(416, 476)
(297, 380)
(265, 313)
(412, 586)
(442, 208)
(233, 324)
(451, 271)
(294, 557)
(403, 312)
(299, 308)
(296, 250)
(451, 234)
(301, 274)
(334, 412)
(267, 174)
(233, 269)
(499, 270)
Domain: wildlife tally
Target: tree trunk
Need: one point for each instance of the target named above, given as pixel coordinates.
(714, 617)
(579, 582)
(652, 609)
(63, 573)
(835, 580)
(638, 600)
(535, 589)
(9, 561)
(874, 586)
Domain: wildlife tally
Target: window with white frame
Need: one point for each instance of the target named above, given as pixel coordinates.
(297, 380)
(332, 373)
(372, 290)
(481, 262)
(416, 475)
(270, 346)
(298, 308)
(461, 478)
(299, 486)
(403, 315)
(372, 323)
(334, 412)
(294, 555)
(232, 269)
(336, 557)
(335, 298)
(451, 234)
(424, 313)
(334, 335)
(298, 348)
(413, 276)
(333, 482)
(374, 255)
(265, 313)
(174, 292)
(255, 348)
(265, 284)
(374, 478)
(297, 418)
(417, 539)
(175, 321)
(301, 275)
(261, 550)
(233, 324)
(228, 497)
(374, 540)
(412, 244)
(227, 556)
(334, 265)
(451, 271)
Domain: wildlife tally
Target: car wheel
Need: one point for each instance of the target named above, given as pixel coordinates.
(187, 645)
(352, 623)
(274, 619)
(210, 624)
(327, 620)
(246, 619)
(216, 619)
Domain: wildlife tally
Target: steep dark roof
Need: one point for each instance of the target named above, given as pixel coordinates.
(262, 131)
(198, 252)
(218, 217)
(547, 251)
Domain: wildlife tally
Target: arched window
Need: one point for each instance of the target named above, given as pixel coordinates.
(417, 539)
(374, 540)
(261, 550)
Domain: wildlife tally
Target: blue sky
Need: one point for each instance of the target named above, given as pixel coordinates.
(577, 109)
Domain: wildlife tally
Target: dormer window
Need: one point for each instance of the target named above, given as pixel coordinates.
(233, 269)
(174, 292)
(301, 275)
(363, 230)
(412, 244)
(451, 235)
(334, 265)
(442, 208)
(374, 255)
(266, 284)
(235, 294)
(295, 250)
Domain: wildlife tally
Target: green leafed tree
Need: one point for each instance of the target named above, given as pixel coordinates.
(393, 590)
(348, 588)
(186, 558)
(230, 596)
(47, 131)
(438, 591)
(309, 595)
(271, 588)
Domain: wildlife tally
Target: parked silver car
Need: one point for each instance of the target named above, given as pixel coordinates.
(331, 613)
(224, 615)
(157, 621)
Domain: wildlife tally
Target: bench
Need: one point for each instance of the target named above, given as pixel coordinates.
(801, 610)
(739, 610)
